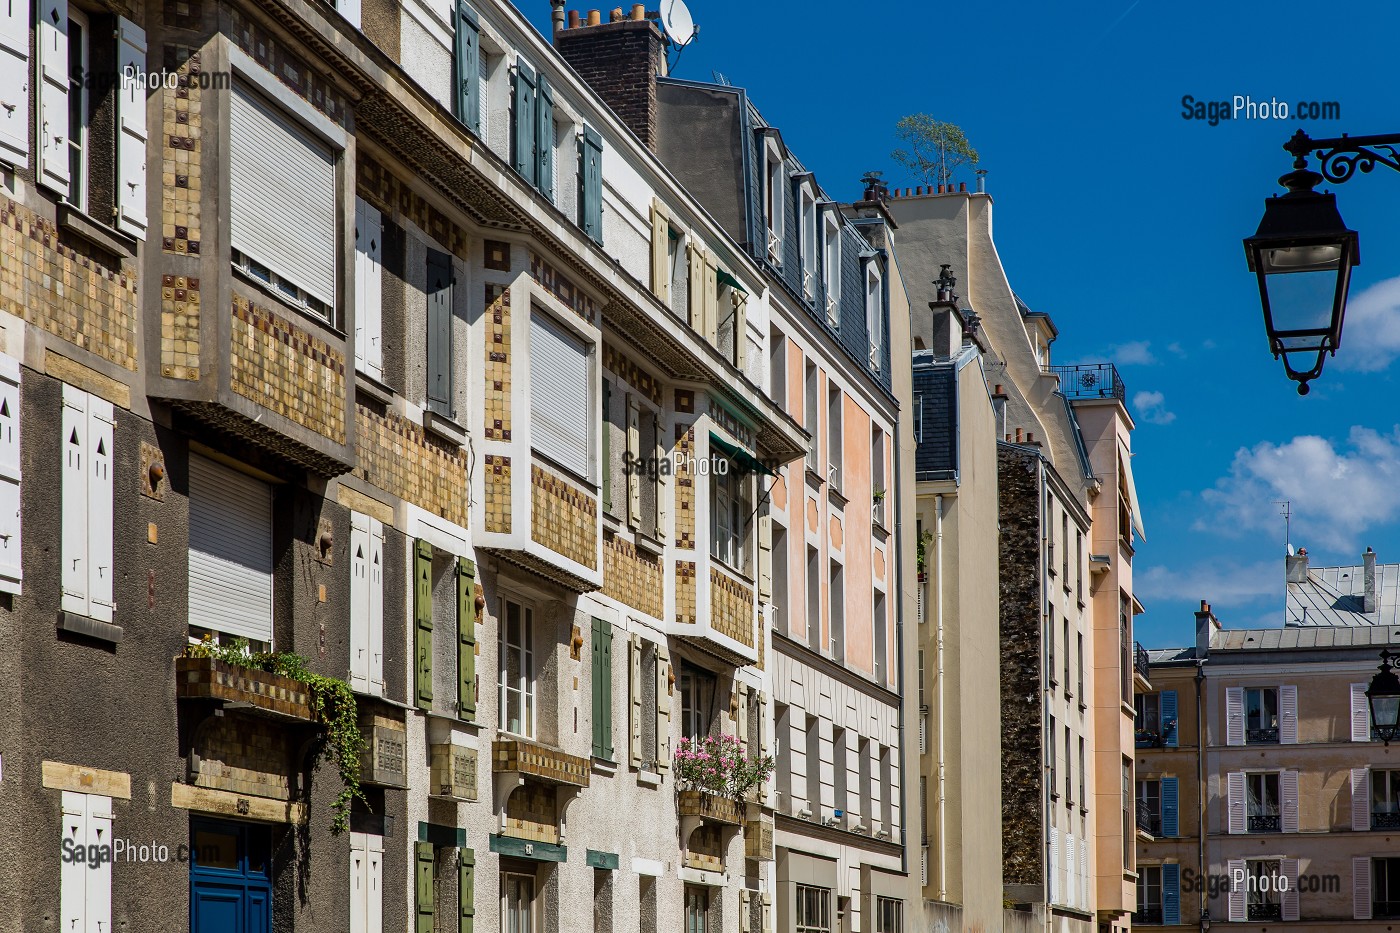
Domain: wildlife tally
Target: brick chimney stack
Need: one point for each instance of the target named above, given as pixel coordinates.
(620, 60)
(1368, 601)
(1296, 566)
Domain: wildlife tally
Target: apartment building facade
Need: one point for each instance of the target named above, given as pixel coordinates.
(454, 436)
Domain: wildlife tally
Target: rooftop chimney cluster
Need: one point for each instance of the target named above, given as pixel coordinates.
(924, 191)
(577, 18)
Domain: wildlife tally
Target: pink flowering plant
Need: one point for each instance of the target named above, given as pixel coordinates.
(719, 765)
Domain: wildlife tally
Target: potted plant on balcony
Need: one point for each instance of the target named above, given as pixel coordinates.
(715, 776)
(332, 705)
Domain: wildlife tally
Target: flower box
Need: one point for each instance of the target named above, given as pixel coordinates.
(260, 691)
(710, 807)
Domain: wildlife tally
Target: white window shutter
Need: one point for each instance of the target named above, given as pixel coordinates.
(741, 720)
(73, 546)
(767, 913)
(14, 82)
(1360, 799)
(1361, 888)
(663, 708)
(1288, 868)
(765, 739)
(376, 607)
(634, 453)
(131, 143)
(374, 888)
(745, 925)
(52, 46)
(73, 875)
(1235, 869)
(1054, 873)
(98, 913)
(11, 562)
(1234, 715)
(359, 878)
(765, 556)
(1360, 714)
(1288, 791)
(1236, 801)
(101, 572)
(359, 602)
(350, 9)
(361, 261)
(1084, 874)
(1288, 715)
(369, 300)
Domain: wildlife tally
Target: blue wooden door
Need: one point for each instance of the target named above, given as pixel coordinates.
(230, 878)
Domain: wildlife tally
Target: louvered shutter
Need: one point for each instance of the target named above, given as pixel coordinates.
(51, 44)
(100, 564)
(1288, 869)
(376, 607)
(591, 202)
(359, 883)
(282, 202)
(11, 553)
(74, 493)
(374, 885)
(359, 602)
(440, 301)
(230, 551)
(544, 137)
(73, 875)
(1234, 715)
(765, 555)
(1235, 805)
(1360, 714)
(1171, 821)
(1084, 874)
(634, 690)
(660, 256)
(369, 286)
(1361, 888)
(1288, 715)
(663, 708)
(131, 140)
(1288, 791)
(1235, 869)
(524, 130)
(1067, 893)
(1171, 894)
(1169, 720)
(560, 393)
(467, 104)
(466, 891)
(466, 638)
(1360, 799)
(1054, 874)
(423, 887)
(423, 623)
(634, 453)
(14, 82)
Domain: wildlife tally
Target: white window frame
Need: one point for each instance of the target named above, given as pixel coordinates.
(775, 205)
(874, 312)
(526, 689)
(889, 915)
(85, 889)
(513, 922)
(586, 468)
(729, 501)
(78, 134)
(812, 909)
(807, 225)
(87, 436)
(831, 265)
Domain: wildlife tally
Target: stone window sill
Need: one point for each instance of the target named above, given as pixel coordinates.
(74, 221)
(445, 428)
(92, 628)
(375, 389)
(649, 778)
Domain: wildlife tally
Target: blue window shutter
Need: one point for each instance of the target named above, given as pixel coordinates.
(467, 102)
(590, 154)
(1168, 714)
(1170, 809)
(544, 137)
(525, 121)
(440, 333)
(1171, 894)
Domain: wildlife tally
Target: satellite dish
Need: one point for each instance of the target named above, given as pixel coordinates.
(677, 21)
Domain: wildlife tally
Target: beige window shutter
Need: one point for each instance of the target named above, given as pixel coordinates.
(663, 708)
(660, 253)
(634, 651)
(634, 453)
(710, 301)
(741, 328)
(699, 319)
(765, 556)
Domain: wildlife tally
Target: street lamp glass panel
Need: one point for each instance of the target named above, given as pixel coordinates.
(1314, 258)
(1301, 300)
(1386, 711)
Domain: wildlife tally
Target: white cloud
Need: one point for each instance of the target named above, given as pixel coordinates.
(1217, 582)
(1338, 492)
(1133, 353)
(1152, 407)
(1371, 333)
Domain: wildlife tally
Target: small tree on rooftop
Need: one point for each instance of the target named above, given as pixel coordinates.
(932, 149)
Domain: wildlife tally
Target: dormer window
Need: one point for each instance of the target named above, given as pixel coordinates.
(807, 218)
(831, 265)
(774, 197)
(874, 312)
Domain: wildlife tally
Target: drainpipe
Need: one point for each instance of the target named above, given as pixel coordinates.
(942, 718)
(1201, 787)
(899, 655)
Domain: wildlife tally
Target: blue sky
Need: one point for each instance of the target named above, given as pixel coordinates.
(1123, 221)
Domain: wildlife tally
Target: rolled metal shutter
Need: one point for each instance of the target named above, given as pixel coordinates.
(281, 195)
(559, 394)
(230, 551)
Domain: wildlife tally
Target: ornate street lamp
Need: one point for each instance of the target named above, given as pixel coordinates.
(1383, 696)
(1205, 920)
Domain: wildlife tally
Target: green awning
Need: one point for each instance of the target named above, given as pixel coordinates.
(726, 279)
(747, 461)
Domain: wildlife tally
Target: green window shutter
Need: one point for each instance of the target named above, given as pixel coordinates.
(467, 103)
(424, 890)
(605, 681)
(423, 617)
(466, 891)
(544, 137)
(590, 157)
(525, 122)
(466, 638)
(607, 448)
(596, 683)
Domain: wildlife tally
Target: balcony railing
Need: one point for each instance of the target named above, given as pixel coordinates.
(1265, 912)
(1265, 823)
(1261, 736)
(1385, 819)
(1140, 663)
(1149, 916)
(1147, 821)
(1095, 380)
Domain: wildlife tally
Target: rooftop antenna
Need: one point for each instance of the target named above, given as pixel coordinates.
(679, 27)
(720, 79)
(1286, 510)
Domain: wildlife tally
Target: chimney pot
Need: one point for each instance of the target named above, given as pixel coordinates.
(573, 19)
(918, 191)
(594, 18)
(639, 12)
(1018, 435)
(615, 15)
(962, 186)
(1206, 624)
(997, 390)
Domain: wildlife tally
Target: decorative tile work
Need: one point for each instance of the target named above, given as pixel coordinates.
(376, 184)
(616, 361)
(736, 428)
(63, 290)
(285, 66)
(398, 457)
(208, 679)
(561, 287)
(287, 370)
(550, 764)
(532, 813)
(632, 577)
(496, 255)
(705, 848)
(245, 756)
(497, 493)
(182, 129)
(179, 327)
(182, 14)
(685, 592)
(497, 395)
(731, 607)
(712, 807)
(685, 487)
(685, 401)
(565, 519)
